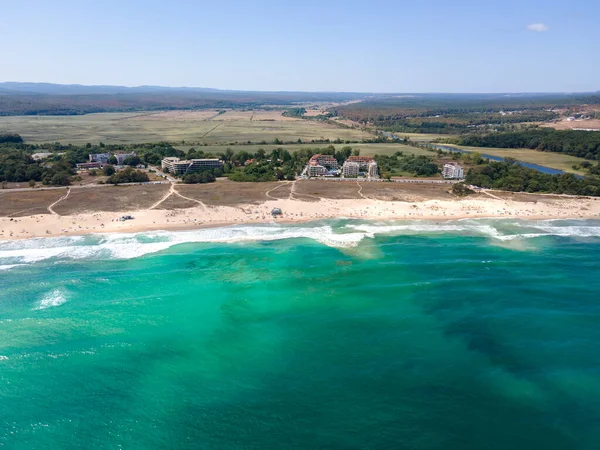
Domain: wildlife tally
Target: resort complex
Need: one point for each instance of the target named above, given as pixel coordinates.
(354, 167)
(178, 166)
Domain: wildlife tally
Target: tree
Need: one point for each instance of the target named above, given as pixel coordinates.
(31, 183)
(61, 179)
(461, 190)
(132, 161)
(356, 152)
(109, 170)
(128, 175)
(113, 160)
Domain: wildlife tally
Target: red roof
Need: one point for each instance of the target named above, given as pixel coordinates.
(359, 159)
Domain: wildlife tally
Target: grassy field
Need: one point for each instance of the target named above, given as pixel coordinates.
(230, 193)
(196, 126)
(420, 137)
(313, 190)
(221, 193)
(558, 161)
(365, 149)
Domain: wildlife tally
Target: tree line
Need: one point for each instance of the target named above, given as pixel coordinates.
(400, 164)
(509, 176)
(584, 144)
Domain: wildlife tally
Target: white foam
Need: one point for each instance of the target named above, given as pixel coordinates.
(52, 299)
(9, 266)
(132, 245)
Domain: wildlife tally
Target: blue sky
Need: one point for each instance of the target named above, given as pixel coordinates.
(366, 46)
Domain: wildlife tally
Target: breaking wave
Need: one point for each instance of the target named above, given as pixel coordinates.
(334, 234)
(52, 299)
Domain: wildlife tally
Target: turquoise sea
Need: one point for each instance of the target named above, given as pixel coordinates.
(474, 334)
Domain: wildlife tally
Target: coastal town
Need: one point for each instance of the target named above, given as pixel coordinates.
(320, 166)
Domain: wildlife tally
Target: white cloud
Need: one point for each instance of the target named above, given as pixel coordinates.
(539, 27)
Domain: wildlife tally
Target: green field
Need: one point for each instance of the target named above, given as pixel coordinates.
(558, 161)
(421, 137)
(172, 126)
(365, 149)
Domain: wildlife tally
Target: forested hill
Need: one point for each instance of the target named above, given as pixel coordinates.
(51, 99)
(585, 144)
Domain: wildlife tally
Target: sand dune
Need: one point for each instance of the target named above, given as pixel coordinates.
(296, 211)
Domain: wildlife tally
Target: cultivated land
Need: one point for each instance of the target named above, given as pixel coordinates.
(591, 124)
(173, 126)
(549, 159)
(365, 149)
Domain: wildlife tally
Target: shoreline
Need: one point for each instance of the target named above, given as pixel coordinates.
(294, 211)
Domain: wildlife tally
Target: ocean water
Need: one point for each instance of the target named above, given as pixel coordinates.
(330, 335)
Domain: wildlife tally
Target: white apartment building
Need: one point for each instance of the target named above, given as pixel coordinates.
(373, 170)
(316, 170)
(452, 171)
(363, 161)
(350, 169)
(176, 166)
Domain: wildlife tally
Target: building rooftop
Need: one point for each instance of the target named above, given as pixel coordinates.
(362, 159)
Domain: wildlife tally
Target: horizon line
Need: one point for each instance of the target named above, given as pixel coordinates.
(302, 91)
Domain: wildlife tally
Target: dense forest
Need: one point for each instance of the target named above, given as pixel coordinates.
(48, 99)
(584, 144)
(509, 176)
(399, 164)
(457, 114)
(10, 139)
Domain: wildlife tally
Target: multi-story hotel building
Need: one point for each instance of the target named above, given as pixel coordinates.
(362, 161)
(372, 170)
(327, 161)
(101, 158)
(350, 169)
(452, 171)
(176, 166)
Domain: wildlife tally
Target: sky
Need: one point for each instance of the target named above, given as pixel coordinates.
(350, 46)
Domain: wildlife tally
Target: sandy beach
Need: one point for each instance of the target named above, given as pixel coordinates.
(46, 225)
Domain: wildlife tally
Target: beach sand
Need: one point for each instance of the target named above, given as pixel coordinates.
(488, 206)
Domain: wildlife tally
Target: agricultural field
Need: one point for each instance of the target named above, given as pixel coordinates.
(365, 149)
(588, 124)
(197, 126)
(425, 137)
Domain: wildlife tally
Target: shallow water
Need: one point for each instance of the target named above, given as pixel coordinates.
(345, 334)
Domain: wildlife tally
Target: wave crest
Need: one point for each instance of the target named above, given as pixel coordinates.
(339, 234)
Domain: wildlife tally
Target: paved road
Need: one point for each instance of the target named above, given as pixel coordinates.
(401, 180)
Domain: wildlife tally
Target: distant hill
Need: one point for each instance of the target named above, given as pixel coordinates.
(79, 89)
(18, 98)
